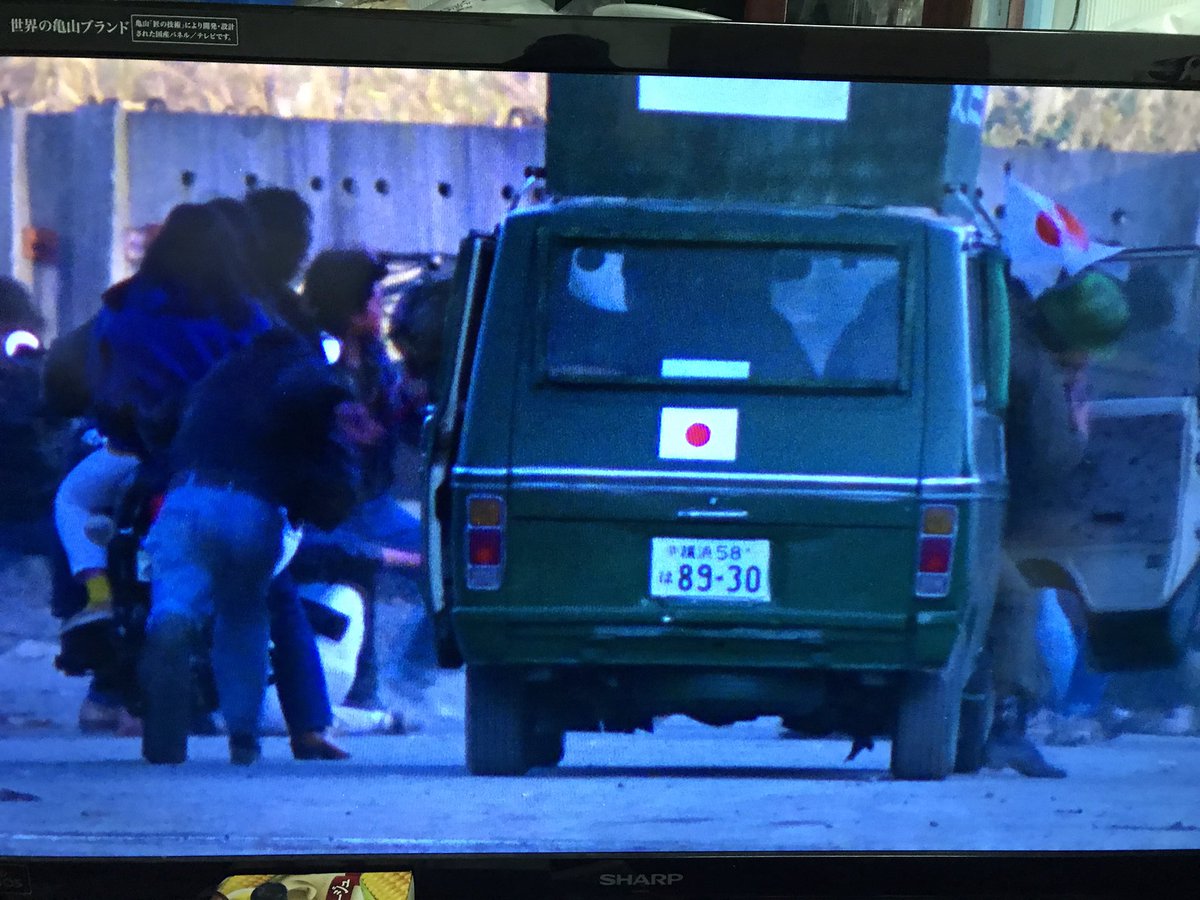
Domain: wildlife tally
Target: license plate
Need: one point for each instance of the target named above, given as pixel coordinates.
(710, 570)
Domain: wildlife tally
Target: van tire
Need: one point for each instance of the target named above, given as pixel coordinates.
(547, 748)
(975, 723)
(498, 720)
(926, 737)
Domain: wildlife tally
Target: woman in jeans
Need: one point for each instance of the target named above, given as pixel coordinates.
(191, 303)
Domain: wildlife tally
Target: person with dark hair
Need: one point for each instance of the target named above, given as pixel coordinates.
(155, 336)
(250, 469)
(31, 441)
(416, 330)
(245, 229)
(20, 322)
(283, 226)
(159, 332)
(342, 289)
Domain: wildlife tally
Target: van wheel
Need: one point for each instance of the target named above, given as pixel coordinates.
(975, 724)
(498, 733)
(923, 748)
(547, 748)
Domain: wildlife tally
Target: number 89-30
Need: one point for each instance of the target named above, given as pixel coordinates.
(735, 579)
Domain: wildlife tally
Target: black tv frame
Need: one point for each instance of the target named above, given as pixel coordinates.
(328, 36)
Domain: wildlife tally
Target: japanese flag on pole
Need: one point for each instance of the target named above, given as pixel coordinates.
(690, 433)
(1044, 239)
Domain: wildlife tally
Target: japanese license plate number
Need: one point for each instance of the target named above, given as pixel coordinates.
(710, 570)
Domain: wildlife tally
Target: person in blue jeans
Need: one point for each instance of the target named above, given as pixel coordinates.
(342, 292)
(191, 303)
(266, 446)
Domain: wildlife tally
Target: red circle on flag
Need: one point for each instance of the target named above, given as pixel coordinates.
(1047, 230)
(698, 434)
(1075, 230)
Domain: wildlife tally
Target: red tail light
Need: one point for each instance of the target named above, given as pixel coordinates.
(935, 550)
(935, 555)
(483, 546)
(485, 542)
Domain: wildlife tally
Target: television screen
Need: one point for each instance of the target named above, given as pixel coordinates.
(443, 461)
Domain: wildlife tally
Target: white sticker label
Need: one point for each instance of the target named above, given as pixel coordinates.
(691, 433)
(827, 101)
(706, 368)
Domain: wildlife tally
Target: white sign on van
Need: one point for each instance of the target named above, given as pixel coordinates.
(826, 101)
(733, 369)
(698, 433)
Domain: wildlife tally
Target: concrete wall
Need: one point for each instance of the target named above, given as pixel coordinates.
(94, 173)
(369, 184)
(9, 229)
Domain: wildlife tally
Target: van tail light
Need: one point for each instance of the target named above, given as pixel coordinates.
(484, 542)
(483, 546)
(935, 550)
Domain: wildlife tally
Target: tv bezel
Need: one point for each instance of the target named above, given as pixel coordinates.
(337, 36)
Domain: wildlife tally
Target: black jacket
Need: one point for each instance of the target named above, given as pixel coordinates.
(31, 442)
(264, 420)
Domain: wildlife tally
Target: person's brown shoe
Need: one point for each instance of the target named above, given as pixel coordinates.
(315, 746)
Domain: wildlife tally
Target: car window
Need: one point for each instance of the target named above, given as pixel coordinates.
(701, 312)
(977, 323)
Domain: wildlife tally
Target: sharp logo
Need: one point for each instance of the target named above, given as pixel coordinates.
(658, 879)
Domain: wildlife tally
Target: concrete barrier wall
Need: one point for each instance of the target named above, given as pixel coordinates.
(9, 226)
(97, 172)
(91, 174)
(369, 184)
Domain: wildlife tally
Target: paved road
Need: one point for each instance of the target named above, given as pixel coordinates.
(685, 788)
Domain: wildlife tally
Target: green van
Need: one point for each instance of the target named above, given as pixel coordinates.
(725, 461)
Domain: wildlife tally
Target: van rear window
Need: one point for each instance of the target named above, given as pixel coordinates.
(762, 314)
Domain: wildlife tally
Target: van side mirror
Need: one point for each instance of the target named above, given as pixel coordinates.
(999, 325)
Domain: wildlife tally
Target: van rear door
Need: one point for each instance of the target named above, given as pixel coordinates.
(723, 427)
(443, 425)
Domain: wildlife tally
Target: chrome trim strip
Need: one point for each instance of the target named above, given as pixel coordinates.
(996, 496)
(848, 481)
(480, 472)
(935, 488)
(858, 495)
(713, 514)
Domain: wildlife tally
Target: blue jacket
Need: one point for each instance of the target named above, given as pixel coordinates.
(148, 349)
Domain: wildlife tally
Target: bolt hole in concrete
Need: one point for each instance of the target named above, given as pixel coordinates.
(443, 189)
(251, 181)
(382, 187)
(507, 192)
(187, 178)
(348, 185)
(317, 183)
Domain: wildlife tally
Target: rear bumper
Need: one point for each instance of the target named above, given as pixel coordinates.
(569, 638)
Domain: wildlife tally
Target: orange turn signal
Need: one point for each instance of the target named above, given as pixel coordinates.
(938, 520)
(484, 512)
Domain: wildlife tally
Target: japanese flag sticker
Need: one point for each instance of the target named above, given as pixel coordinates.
(690, 433)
